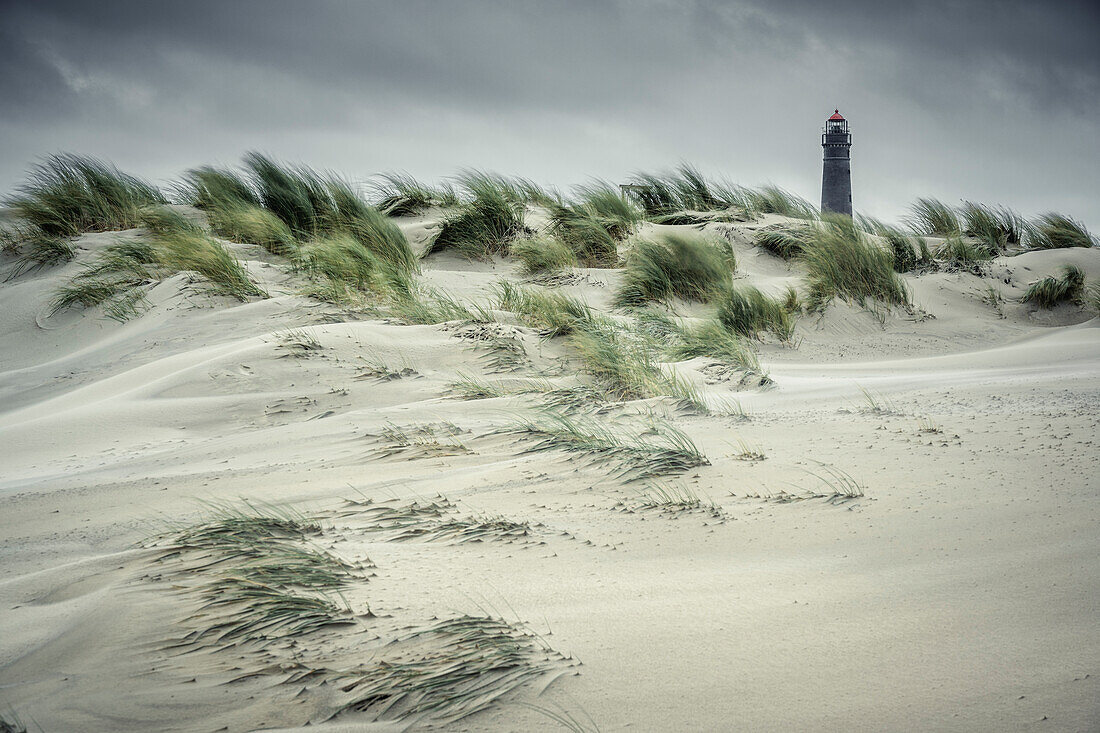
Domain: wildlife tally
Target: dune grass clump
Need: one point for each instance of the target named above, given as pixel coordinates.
(594, 223)
(448, 671)
(959, 253)
(67, 195)
(488, 223)
(626, 368)
(555, 314)
(1056, 231)
(674, 500)
(747, 312)
(403, 195)
(254, 225)
(279, 206)
(841, 262)
(1050, 291)
(681, 196)
(712, 339)
(543, 255)
(341, 263)
(659, 449)
(37, 249)
(782, 242)
(210, 188)
(675, 265)
(775, 200)
(934, 218)
(116, 279)
(416, 305)
(995, 229)
(257, 577)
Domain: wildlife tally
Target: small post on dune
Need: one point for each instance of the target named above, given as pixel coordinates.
(836, 171)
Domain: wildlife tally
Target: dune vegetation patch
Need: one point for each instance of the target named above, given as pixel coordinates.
(490, 217)
(634, 452)
(270, 603)
(67, 195)
(685, 196)
(675, 265)
(118, 277)
(593, 224)
(841, 262)
(1057, 231)
(543, 255)
(672, 500)
(748, 312)
(402, 195)
(1050, 291)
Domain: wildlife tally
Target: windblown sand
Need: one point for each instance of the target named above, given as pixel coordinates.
(961, 592)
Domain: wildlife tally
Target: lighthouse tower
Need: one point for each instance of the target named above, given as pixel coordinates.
(836, 171)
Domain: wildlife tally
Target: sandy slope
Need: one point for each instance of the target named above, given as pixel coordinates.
(960, 593)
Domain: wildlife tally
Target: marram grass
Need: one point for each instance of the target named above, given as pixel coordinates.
(675, 265)
(1050, 291)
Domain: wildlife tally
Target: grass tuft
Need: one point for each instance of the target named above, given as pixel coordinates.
(712, 339)
(658, 450)
(67, 195)
(543, 255)
(747, 312)
(488, 223)
(675, 265)
(1050, 291)
(932, 217)
(403, 195)
(1056, 231)
(841, 262)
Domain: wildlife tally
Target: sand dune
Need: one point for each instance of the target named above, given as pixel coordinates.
(958, 592)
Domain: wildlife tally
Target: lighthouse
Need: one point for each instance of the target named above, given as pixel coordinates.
(836, 170)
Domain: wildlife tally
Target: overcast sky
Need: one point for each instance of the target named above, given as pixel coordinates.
(989, 101)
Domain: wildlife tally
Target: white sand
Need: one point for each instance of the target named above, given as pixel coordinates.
(961, 593)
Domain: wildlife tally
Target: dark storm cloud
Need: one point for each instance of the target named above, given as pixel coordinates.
(942, 92)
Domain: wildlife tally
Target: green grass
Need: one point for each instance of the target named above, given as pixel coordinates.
(487, 223)
(554, 314)
(659, 449)
(1050, 291)
(676, 499)
(447, 671)
(193, 251)
(403, 195)
(473, 388)
(543, 255)
(341, 262)
(841, 262)
(626, 368)
(934, 218)
(67, 195)
(957, 252)
(40, 250)
(1057, 231)
(211, 189)
(676, 198)
(428, 306)
(712, 339)
(747, 312)
(785, 242)
(278, 206)
(675, 265)
(117, 277)
(253, 225)
(594, 223)
(995, 229)
(776, 200)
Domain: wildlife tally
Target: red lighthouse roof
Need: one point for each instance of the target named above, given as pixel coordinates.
(836, 115)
